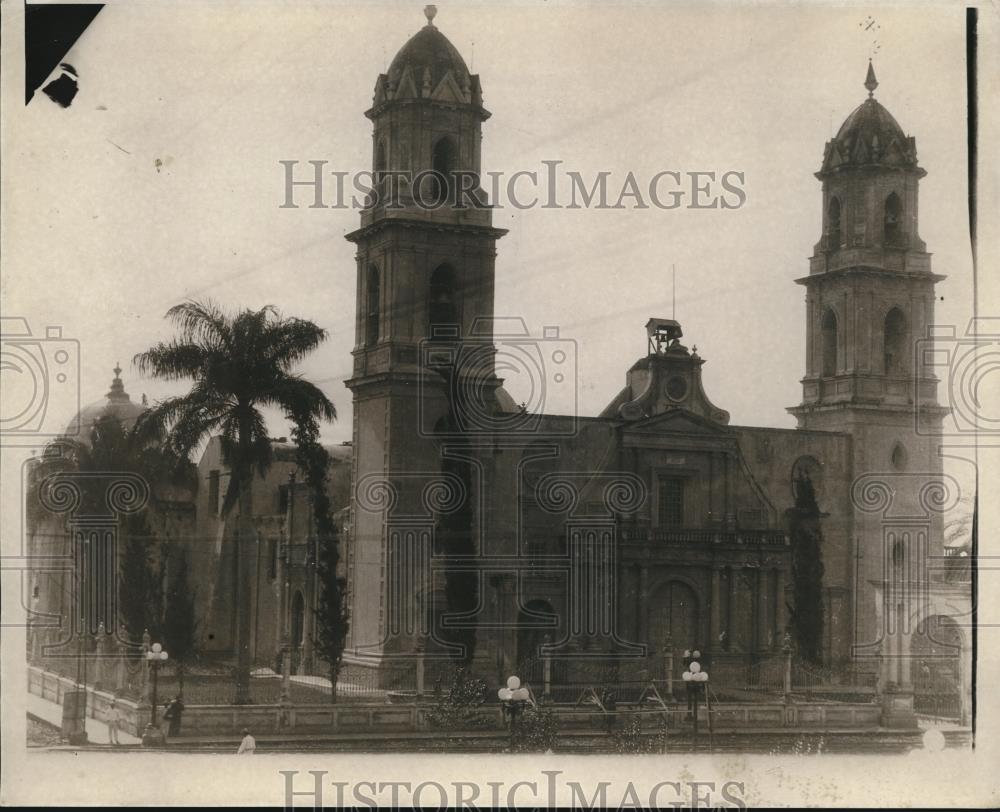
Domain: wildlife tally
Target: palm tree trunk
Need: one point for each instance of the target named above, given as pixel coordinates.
(244, 593)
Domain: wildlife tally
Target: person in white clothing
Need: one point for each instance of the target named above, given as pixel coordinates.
(248, 745)
(114, 722)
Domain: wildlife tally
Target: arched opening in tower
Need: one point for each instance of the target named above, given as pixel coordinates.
(373, 306)
(833, 224)
(442, 310)
(893, 224)
(443, 164)
(894, 344)
(829, 331)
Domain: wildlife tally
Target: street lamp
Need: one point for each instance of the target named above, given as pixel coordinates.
(696, 681)
(152, 736)
(513, 699)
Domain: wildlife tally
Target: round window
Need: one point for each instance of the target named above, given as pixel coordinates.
(677, 388)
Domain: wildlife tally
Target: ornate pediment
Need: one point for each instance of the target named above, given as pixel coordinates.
(667, 380)
(679, 421)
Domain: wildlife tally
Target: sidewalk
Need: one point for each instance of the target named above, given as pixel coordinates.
(97, 731)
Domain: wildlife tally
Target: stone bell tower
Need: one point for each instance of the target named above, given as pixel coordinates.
(425, 280)
(869, 299)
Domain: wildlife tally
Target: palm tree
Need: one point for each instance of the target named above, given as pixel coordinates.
(239, 363)
(111, 449)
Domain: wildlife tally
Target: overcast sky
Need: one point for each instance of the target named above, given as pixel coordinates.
(162, 180)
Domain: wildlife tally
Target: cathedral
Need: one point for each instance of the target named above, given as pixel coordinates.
(510, 540)
(498, 535)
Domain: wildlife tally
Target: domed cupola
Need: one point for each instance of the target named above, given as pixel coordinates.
(870, 136)
(870, 177)
(428, 66)
(116, 403)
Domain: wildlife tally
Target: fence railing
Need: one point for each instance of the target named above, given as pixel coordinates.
(558, 680)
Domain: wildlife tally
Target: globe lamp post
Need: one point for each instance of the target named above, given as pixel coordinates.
(513, 698)
(152, 736)
(696, 681)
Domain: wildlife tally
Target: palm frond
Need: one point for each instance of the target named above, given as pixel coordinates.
(202, 322)
(299, 399)
(291, 340)
(172, 361)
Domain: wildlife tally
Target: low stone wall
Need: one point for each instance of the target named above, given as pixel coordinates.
(53, 687)
(353, 717)
(807, 715)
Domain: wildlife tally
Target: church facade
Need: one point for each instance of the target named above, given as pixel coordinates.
(492, 534)
(498, 536)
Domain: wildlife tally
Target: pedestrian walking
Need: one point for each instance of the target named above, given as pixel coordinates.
(248, 745)
(173, 715)
(164, 722)
(114, 722)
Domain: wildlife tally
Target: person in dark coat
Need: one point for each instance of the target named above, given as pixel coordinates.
(173, 715)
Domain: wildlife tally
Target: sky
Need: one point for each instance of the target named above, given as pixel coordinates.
(162, 182)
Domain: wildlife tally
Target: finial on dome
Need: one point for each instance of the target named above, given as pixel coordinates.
(870, 81)
(117, 392)
(430, 12)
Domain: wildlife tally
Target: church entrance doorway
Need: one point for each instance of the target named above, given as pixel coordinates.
(674, 615)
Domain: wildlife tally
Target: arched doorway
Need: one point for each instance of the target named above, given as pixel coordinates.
(674, 613)
(535, 625)
(936, 667)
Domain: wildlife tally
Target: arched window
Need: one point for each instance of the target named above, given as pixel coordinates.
(442, 308)
(829, 331)
(894, 342)
(893, 223)
(833, 224)
(443, 162)
(373, 306)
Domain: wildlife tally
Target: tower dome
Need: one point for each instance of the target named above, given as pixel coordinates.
(870, 136)
(428, 67)
(429, 53)
(116, 403)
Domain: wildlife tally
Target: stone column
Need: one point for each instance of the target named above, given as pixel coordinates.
(642, 607)
(810, 343)
(762, 624)
(731, 608)
(101, 658)
(121, 675)
(420, 667)
(668, 661)
(779, 604)
(546, 671)
(713, 643)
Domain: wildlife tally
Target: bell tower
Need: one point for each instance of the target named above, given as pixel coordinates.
(426, 249)
(870, 289)
(869, 299)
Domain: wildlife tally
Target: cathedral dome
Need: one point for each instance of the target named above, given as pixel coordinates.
(870, 135)
(116, 403)
(429, 54)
